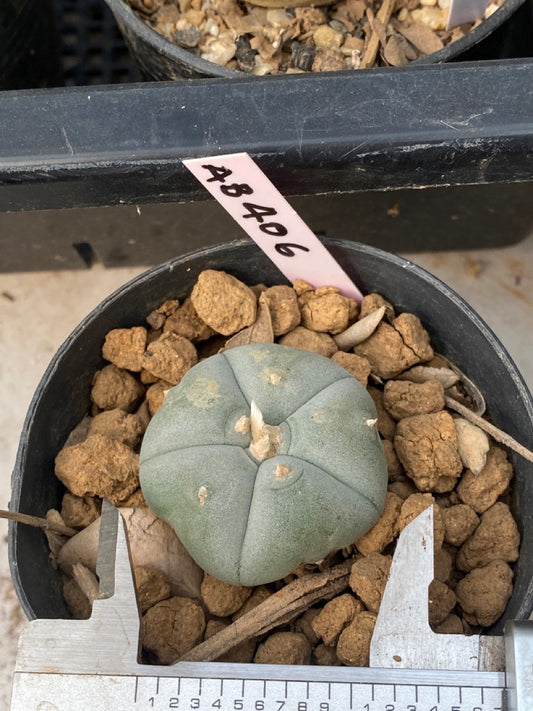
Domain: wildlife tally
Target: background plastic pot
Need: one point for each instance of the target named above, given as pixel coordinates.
(158, 58)
(29, 48)
(62, 398)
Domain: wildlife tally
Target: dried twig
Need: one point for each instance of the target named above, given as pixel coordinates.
(494, 432)
(38, 522)
(371, 50)
(278, 609)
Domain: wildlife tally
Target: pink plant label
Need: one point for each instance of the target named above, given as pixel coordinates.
(242, 188)
(462, 11)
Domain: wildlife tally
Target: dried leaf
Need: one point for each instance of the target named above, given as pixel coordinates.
(259, 332)
(471, 389)
(459, 394)
(421, 36)
(360, 330)
(394, 52)
(79, 433)
(81, 548)
(152, 543)
(422, 373)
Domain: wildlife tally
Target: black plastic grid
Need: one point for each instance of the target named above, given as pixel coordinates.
(92, 48)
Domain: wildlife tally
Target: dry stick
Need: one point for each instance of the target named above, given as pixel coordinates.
(38, 522)
(87, 581)
(496, 433)
(279, 608)
(383, 15)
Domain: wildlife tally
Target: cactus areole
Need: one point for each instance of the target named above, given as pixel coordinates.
(262, 458)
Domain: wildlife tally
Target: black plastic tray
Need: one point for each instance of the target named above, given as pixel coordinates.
(350, 149)
(91, 46)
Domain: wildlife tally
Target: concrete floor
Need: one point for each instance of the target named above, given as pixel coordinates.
(38, 310)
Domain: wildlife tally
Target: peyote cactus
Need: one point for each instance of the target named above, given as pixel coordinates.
(262, 458)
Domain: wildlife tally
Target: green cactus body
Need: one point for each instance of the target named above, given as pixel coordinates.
(320, 485)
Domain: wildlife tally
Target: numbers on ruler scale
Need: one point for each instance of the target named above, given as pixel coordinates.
(270, 695)
(194, 703)
(254, 211)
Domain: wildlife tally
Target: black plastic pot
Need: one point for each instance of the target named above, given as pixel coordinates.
(29, 47)
(62, 398)
(158, 58)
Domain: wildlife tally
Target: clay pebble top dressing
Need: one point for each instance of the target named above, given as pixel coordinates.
(249, 512)
(433, 459)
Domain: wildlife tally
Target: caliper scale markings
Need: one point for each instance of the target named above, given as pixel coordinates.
(295, 695)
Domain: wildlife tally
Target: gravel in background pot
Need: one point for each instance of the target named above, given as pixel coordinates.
(176, 55)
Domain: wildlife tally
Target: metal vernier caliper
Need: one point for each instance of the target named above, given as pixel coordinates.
(68, 665)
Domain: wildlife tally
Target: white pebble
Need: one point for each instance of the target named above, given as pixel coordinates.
(211, 27)
(433, 17)
(326, 37)
(473, 445)
(221, 50)
(261, 67)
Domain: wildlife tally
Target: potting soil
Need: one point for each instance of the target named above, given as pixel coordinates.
(349, 34)
(434, 459)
